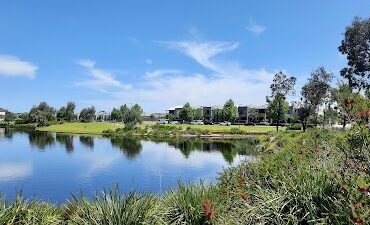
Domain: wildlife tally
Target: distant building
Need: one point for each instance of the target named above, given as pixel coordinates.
(211, 113)
(3, 112)
(103, 116)
(175, 111)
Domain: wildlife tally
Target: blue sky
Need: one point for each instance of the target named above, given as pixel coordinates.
(163, 53)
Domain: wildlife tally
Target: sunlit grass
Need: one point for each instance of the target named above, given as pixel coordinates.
(82, 128)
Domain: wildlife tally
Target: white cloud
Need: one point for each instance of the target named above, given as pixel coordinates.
(102, 81)
(161, 73)
(202, 52)
(15, 170)
(12, 66)
(163, 88)
(255, 28)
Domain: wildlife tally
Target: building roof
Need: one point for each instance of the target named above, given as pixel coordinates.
(3, 110)
(175, 107)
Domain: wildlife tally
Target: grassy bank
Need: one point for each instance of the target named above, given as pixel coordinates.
(227, 129)
(317, 177)
(153, 129)
(81, 128)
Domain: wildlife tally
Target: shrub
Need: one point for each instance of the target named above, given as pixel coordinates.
(296, 126)
(236, 130)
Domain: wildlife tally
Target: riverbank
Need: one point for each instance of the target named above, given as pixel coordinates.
(81, 128)
(153, 129)
(317, 177)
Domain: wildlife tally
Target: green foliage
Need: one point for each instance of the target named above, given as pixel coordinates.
(355, 46)
(277, 109)
(41, 114)
(116, 114)
(9, 117)
(229, 112)
(198, 114)
(88, 114)
(110, 207)
(186, 113)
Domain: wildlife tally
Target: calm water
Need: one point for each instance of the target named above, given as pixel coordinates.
(51, 166)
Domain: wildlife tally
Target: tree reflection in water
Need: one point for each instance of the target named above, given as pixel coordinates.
(66, 140)
(130, 147)
(87, 141)
(41, 140)
(187, 145)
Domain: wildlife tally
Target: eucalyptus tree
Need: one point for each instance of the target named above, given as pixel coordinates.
(317, 91)
(281, 87)
(356, 46)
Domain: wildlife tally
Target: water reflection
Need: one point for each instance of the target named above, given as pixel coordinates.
(130, 147)
(66, 140)
(41, 140)
(146, 165)
(87, 141)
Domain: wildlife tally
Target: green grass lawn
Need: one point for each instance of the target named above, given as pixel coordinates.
(219, 128)
(81, 128)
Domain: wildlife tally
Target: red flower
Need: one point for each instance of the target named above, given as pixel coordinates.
(363, 189)
(208, 209)
(357, 221)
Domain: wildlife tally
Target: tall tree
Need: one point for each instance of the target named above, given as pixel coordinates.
(229, 112)
(317, 90)
(124, 111)
(70, 111)
(281, 87)
(356, 46)
(186, 113)
(303, 112)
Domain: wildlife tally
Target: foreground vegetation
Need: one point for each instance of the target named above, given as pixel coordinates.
(317, 177)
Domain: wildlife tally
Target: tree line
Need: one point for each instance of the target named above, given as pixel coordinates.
(349, 101)
(43, 115)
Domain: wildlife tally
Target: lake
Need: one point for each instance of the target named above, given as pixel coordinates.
(52, 166)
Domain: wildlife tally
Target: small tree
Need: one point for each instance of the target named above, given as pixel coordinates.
(133, 117)
(198, 114)
(281, 87)
(61, 114)
(229, 112)
(277, 109)
(303, 112)
(88, 114)
(9, 117)
(186, 113)
(42, 114)
(116, 114)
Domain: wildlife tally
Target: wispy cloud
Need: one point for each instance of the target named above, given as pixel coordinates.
(12, 66)
(161, 73)
(162, 88)
(202, 51)
(255, 28)
(102, 81)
